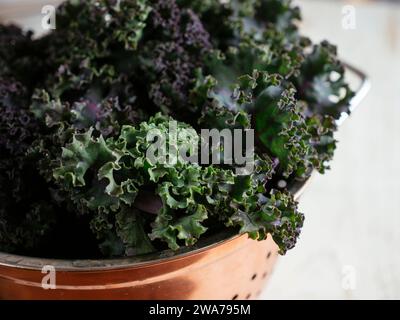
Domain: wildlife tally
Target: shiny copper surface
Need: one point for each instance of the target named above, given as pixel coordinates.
(235, 269)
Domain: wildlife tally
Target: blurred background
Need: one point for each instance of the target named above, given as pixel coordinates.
(349, 247)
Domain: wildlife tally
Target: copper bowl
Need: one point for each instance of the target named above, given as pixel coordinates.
(223, 266)
(234, 269)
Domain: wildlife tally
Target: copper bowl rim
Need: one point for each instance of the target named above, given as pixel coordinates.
(213, 241)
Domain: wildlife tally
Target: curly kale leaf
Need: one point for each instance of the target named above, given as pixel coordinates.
(280, 14)
(17, 125)
(228, 22)
(130, 228)
(268, 43)
(12, 38)
(282, 130)
(122, 234)
(254, 76)
(280, 126)
(105, 176)
(143, 52)
(321, 82)
(26, 214)
(115, 21)
(100, 33)
(19, 58)
(172, 47)
(188, 228)
(322, 130)
(106, 117)
(276, 215)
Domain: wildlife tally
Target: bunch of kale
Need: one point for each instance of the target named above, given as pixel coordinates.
(76, 106)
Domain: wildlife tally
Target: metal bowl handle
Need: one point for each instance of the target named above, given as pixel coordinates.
(360, 93)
